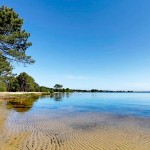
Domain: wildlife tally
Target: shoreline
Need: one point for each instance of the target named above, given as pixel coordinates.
(14, 95)
(25, 95)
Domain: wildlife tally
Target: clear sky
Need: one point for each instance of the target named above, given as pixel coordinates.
(86, 44)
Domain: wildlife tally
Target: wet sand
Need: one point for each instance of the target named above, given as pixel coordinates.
(83, 131)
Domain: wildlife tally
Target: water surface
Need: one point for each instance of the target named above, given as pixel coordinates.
(134, 104)
(74, 121)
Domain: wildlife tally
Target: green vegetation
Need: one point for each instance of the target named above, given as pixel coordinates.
(22, 103)
(25, 83)
(22, 83)
(45, 89)
(13, 39)
(13, 46)
(3, 87)
(5, 68)
(96, 90)
(58, 87)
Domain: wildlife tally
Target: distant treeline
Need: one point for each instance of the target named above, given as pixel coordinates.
(96, 90)
(25, 83)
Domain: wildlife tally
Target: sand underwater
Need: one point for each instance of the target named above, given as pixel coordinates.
(56, 125)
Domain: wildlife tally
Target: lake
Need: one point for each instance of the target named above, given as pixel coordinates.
(77, 121)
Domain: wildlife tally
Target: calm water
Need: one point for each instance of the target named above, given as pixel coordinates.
(134, 104)
(77, 121)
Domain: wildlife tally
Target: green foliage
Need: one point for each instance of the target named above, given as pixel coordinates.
(5, 68)
(68, 90)
(22, 103)
(64, 90)
(94, 90)
(58, 88)
(26, 82)
(45, 89)
(13, 45)
(13, 40)
(36, 87)
(3, 87)
(12, 84)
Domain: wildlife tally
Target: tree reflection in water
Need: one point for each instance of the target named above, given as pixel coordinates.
(25, 104)
(22, 105)
(59, 96)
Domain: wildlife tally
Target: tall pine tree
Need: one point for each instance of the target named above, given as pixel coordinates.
(13, 40)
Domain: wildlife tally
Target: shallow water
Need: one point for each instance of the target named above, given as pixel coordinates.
(77, 121)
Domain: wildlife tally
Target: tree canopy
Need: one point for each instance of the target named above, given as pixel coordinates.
(13, 39)
(26, 82)
(58, 86)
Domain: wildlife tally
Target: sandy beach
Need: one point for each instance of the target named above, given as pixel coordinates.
(16, 93)
(87, 132)
(11, 95)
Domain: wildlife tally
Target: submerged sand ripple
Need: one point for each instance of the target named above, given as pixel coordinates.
(87, 131)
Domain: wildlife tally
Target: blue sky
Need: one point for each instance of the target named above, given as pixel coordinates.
(86, 44)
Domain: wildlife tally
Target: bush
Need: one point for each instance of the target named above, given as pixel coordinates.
(3, 87)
